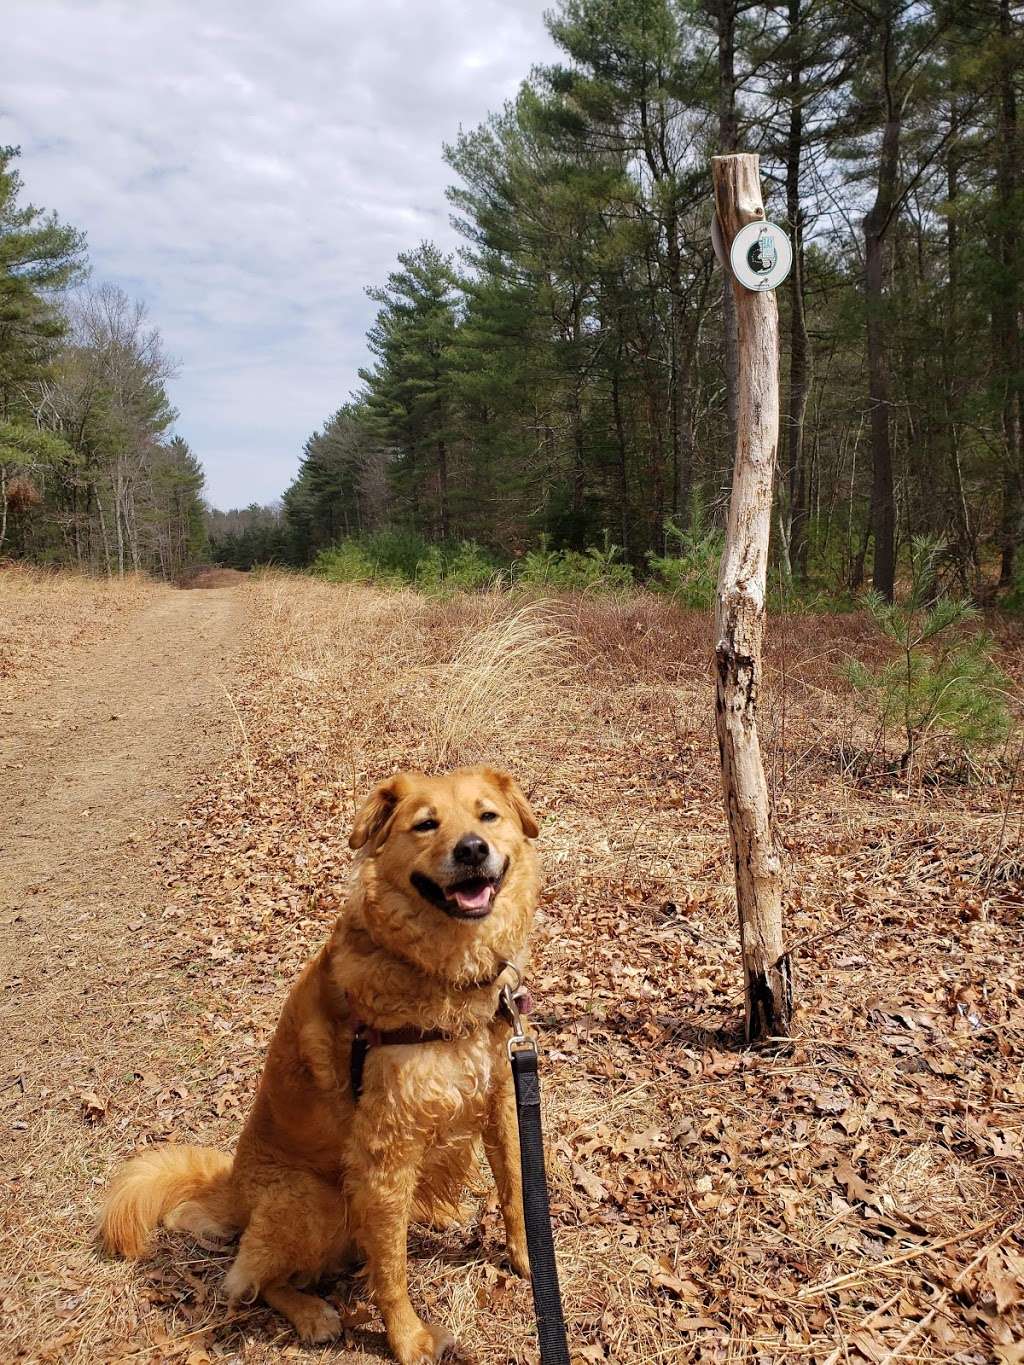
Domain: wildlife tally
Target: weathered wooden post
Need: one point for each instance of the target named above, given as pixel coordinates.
(739, 621)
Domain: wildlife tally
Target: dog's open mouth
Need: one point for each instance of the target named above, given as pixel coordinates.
(471, 898)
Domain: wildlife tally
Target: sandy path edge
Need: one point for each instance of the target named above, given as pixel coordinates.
(92, 778)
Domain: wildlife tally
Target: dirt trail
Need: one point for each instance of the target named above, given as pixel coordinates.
(105, 747)
(92, 771)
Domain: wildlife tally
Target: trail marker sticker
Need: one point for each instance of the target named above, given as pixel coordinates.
(761, 256)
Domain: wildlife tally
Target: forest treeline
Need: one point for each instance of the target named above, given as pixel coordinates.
(90, 474)
(568, 378)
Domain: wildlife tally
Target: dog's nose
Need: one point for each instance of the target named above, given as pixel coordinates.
(470, 850)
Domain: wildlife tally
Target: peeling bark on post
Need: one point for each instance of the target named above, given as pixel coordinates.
(739, 624)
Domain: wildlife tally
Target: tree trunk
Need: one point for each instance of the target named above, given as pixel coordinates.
(876, 224)
(119, 523)
(684, 490)
(739, 625)
(660, 166)
(966, 547)
(728, 140)
(883, 498)
(132, 524)
(103, 530)
(857, 565)
(3, 505)
(579, 466)
(675, 379)
(442, 487)
(76, 523)
(623, 465)
(799, 348)
(1005, 312)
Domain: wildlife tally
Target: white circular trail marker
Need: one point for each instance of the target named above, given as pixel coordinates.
(761, 256)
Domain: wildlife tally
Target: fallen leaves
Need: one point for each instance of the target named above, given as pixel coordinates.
(711, 1204)
(94, 1109)
(593, 1186)
(856, 1189)
(663, 1276)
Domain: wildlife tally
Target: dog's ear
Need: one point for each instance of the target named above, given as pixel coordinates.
(516, 798)
(378, 808)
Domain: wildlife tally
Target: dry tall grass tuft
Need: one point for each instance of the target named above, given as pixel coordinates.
(503, 678)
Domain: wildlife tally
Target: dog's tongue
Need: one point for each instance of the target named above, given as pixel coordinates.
(473, 897)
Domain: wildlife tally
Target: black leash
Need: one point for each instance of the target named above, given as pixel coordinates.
(547, 1298)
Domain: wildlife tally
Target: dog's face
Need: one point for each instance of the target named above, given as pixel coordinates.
(447, 843)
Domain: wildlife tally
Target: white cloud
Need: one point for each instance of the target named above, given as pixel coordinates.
(248, 169)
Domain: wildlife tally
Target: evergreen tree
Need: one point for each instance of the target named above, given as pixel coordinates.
(340, 489)
(39, 258)
(409, 392)
(571, 379)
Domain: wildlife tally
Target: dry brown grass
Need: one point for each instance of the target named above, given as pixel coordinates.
(212, 578)
(711, 1204)
(483, 697)
(46, 613)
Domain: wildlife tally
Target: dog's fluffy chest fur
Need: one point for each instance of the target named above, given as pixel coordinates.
(437, 1089)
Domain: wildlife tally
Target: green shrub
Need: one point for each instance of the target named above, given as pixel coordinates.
(398, 558)
(396, 554)
(377, 557)
(942, 683)
(600, 570)
(344, 563)
(689, 572)
(465, 568)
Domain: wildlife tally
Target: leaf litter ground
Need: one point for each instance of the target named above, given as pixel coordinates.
(858, 1198)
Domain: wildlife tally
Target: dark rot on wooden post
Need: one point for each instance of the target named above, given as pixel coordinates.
(739, 623)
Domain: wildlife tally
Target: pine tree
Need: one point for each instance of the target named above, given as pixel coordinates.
(39, 258)
(409, 392)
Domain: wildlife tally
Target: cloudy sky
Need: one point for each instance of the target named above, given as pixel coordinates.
(248, 167)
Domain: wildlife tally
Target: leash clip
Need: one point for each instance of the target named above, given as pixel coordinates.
(520, 1041)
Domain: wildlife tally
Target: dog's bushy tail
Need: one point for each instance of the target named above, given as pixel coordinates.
(184, 1187)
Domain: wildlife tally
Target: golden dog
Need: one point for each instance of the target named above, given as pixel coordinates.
(443, 901)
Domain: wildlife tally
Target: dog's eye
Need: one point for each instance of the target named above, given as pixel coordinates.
(424, 826)
(489, 815)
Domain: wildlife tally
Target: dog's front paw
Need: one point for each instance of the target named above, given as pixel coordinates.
(518, 1260)
(427, 1345)
(315, 1321)
(444, 1217)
